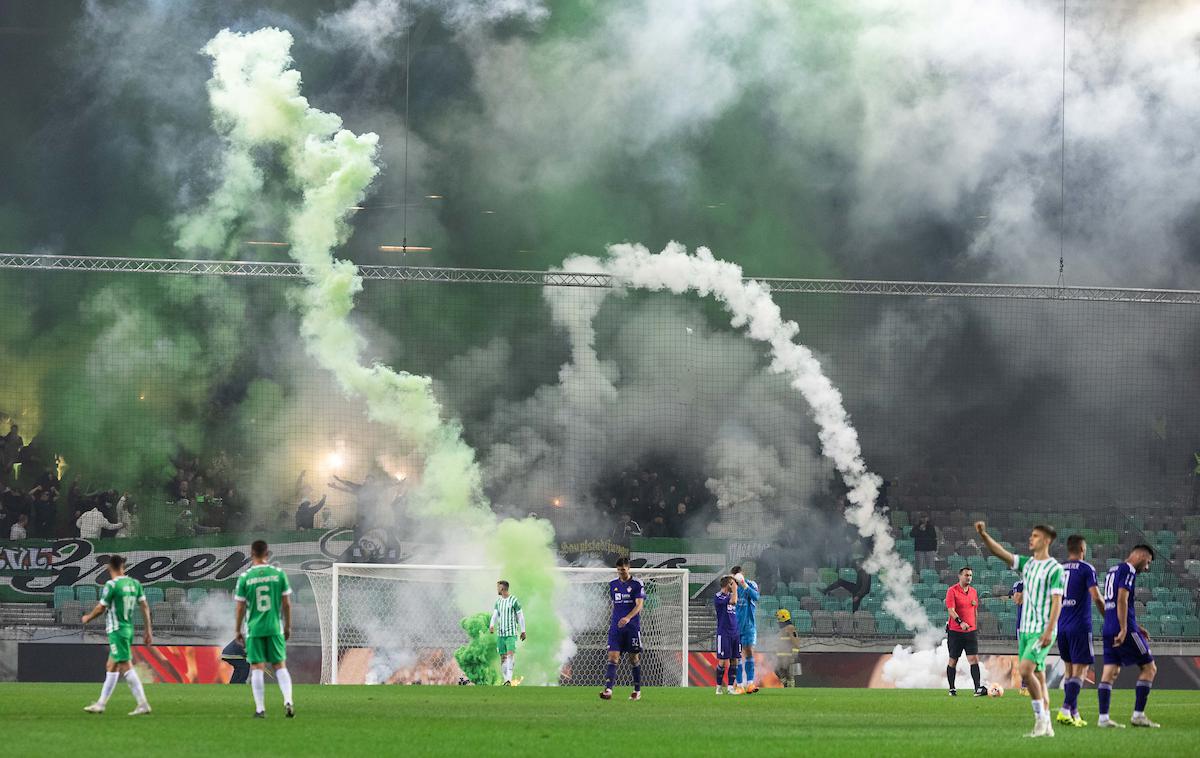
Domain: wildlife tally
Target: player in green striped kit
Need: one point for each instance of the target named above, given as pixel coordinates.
(263, 598)
(120, 596)
(1042, 602)
(507, 622)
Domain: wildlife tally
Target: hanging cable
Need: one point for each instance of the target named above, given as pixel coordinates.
(407, 128)
(1062, 159)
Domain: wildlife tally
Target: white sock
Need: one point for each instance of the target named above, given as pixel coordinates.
(135, 686)
(508, 669)
(1065, 711)
(285, 684)
(1137, 714)
(1037, 708)
(256, 686)
(110, 684)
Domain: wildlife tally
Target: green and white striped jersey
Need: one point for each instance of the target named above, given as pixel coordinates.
(506, 617)
(1043, 580)
(120, 597)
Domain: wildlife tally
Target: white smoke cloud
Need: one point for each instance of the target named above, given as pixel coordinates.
(751, 307)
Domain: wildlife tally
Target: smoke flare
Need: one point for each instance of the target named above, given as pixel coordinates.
(752, 309)
(256, 101)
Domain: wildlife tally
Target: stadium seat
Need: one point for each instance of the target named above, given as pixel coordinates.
(803, 622)
(1162, 594)
(848, 575)
(1155, 608)
(822, 623)
(196, 595)
(798, 589)
(174, 595)
(87, 594)
(843, 624)
(154, 595)
(1171, 626)
(832, 603)
(864, 623)
(810, 603)
(1191, 627)
(989, 625)
(827, 576)
(63, 595)
(885, 624)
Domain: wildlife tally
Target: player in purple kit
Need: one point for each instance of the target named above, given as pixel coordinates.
(1125, 643)
(625, 630)
(729, 642)
(1075, 627)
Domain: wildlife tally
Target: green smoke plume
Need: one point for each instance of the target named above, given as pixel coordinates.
(479, 659)
(256, 100)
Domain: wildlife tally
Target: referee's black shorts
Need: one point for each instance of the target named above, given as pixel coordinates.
(962, 642)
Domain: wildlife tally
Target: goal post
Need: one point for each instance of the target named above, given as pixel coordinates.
(401, 623)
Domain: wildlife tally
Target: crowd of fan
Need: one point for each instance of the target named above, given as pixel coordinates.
(653, 502)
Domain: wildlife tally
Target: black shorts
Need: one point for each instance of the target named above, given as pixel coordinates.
(962, 642)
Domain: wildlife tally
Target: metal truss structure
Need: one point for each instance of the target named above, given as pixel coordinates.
(277, 269)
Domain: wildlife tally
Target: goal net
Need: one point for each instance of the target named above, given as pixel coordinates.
(396, 623)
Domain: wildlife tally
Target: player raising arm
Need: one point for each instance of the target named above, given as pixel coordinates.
(507, 621)
(747, 607)
(121, 593)
(1043, 578)
(625, 630)
(264, 601)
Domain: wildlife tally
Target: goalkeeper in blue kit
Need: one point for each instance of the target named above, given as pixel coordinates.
(747, 606)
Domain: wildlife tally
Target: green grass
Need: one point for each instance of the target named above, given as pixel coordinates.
(188, 720)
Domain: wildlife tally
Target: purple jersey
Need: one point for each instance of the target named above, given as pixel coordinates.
(1076, 616)
(1121, 575)
(624, 595)
(726, 614)
(1018, 586)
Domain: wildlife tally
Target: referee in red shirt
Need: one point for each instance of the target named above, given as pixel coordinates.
(962, 601)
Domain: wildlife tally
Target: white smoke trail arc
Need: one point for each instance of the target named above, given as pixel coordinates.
(752, 309)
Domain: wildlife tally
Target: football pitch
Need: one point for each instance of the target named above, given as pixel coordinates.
(204, 720)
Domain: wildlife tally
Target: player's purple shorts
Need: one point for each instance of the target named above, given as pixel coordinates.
(1076, 647)
(625, 640)
(729, 647)
(1134, 651)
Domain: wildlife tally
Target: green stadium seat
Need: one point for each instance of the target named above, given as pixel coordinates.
(1191, 627)
(1147, 581)
(929, 576)
(814, 589)
(1152, 626)
(803, 621)
(154, 595)
(1165, 538)
(797, 589)
(196, 595)
(899, 518)
(63, 595)
(885, 624)
(848, 575)
(87, 593)
(1162, 594)
(828, 576)
(1155, 608)
(1171, 626)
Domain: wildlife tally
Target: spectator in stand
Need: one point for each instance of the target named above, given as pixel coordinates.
(625, 529)
(18, 531)
(93, 523)
(128, 516)
(306, 511)
(858, 589)
(43, 513)
(925, 542)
